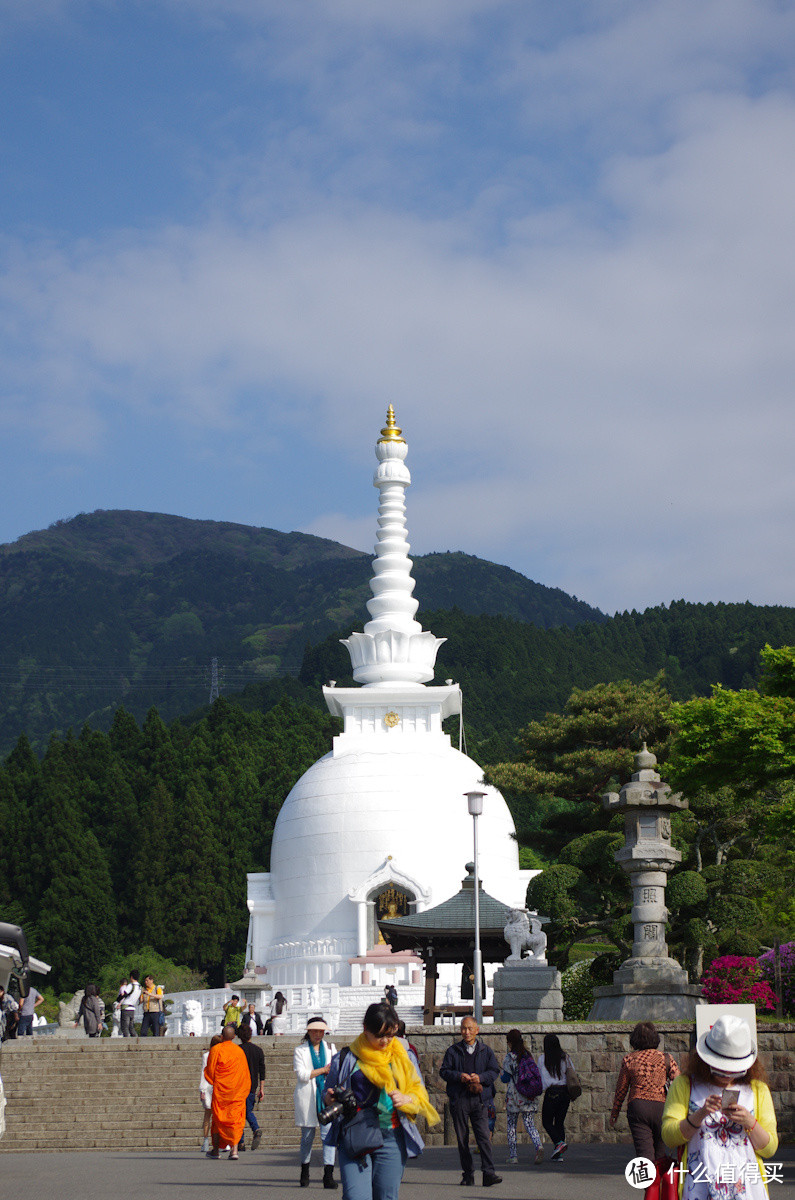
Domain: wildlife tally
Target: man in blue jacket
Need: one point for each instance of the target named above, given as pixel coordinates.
(470, 1069)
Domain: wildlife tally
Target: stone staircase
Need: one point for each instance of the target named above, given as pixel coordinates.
(126, 1094)
(349, 1022)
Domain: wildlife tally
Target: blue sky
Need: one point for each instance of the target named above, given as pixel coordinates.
(556, 236)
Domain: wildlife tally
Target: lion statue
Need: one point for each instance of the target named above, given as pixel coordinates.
(192, 1021)
(116, 1019)
(67, 1013)
(523, 931)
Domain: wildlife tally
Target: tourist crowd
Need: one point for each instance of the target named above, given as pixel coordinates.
(698, 1134)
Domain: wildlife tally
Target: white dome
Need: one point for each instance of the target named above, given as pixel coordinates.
(350, 812)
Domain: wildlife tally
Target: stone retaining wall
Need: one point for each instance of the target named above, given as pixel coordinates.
(596, 1051)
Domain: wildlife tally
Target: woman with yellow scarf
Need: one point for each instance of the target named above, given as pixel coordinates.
(382, 1077)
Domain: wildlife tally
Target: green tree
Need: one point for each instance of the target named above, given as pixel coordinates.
(734, 756)
(171, 976)
(9, 819)
(74, 906)
(590, 747)
(741, 740)
(778, 671)
(150, 865)
(196, 900)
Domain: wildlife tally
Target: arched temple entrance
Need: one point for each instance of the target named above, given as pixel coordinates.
(389, 894)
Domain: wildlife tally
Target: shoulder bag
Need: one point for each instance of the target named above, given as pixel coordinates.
(573, 1085)
(361, 1135)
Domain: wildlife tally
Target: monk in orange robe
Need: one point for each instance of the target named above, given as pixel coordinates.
(227, 1070)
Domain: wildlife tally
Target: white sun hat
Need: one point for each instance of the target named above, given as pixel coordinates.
(727, 1046)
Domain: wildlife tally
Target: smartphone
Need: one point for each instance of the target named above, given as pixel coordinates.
(728, 1097)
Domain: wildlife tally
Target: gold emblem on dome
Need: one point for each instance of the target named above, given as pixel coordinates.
(390, 432)
(391, 720)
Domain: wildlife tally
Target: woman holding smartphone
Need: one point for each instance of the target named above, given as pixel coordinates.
(720, 1109)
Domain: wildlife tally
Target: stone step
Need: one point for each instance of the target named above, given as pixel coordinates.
(350, 1020)
(165, 1115)
(182, 1145)
(86, 1095)
(163, 1125)
(281, 1070)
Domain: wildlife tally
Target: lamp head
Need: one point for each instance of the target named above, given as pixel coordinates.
(475, 803)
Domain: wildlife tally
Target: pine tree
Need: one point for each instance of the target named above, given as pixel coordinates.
(9, 827)
(150, 868)
(75, 916)
(198, 902)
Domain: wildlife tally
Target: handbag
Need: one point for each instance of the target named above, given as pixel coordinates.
(362, 1134)
(573, 1085)
(665, 1185)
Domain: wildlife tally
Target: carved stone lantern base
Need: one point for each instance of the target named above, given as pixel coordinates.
(658, 993)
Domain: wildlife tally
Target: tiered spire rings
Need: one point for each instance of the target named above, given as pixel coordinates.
(393, 647)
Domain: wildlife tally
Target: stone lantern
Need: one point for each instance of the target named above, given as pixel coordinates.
(648, 986)
(251, 988)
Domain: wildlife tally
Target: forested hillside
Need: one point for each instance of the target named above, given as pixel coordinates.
(512, 672)
(143, 835)
(151, 829)
(125, 607)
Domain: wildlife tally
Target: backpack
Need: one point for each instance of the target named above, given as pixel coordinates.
(528, 1078)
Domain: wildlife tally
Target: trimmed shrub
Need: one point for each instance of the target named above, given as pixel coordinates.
(576, 984)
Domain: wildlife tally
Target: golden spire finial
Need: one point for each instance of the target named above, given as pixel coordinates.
(390, 432)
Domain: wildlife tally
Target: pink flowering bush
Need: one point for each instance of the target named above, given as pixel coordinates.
(736, 980)
(787, 952)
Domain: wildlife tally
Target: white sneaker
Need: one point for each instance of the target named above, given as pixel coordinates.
(512, 1162)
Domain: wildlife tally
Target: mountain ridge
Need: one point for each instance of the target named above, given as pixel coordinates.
(119, 607)
(89, 536)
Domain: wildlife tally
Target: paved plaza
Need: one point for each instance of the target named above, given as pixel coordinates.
(589, 1172)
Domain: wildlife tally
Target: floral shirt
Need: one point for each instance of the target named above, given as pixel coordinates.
(721, 1162)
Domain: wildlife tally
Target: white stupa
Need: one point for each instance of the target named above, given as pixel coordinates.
(379, 826)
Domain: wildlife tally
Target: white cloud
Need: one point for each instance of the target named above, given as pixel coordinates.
(596, 387)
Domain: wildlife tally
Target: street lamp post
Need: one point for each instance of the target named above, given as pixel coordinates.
(475, 805)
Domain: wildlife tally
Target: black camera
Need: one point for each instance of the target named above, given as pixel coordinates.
(343, 1105)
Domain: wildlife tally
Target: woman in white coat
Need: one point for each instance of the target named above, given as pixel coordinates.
(311, 1062)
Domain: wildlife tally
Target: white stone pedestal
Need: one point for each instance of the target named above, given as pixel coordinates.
(527, 993)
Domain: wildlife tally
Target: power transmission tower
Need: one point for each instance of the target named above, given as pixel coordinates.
(214, 692)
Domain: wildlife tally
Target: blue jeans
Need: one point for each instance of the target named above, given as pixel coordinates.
(250, 1115)
(25, 1027)
(377, 1176)
(307, 1138)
